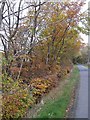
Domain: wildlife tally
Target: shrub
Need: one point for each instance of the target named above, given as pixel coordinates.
(39, 87)
(16, 99)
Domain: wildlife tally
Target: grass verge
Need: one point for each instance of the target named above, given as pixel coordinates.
(86, 65)
(57, 108)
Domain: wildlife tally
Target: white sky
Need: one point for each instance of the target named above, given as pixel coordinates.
(85, 37)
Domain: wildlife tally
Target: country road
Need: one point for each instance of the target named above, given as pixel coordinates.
(81, 109)
(81, 105)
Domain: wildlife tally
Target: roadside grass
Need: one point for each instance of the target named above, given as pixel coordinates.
(86, 65)
(57, 108)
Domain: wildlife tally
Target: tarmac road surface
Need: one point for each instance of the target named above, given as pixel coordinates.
(81, 110)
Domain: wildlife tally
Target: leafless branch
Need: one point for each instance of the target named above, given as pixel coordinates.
(24, 9)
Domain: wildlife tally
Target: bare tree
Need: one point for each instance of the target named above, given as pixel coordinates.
(9, 26)
(1, 10)
(13, 33)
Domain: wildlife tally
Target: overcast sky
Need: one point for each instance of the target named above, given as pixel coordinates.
(85, 37)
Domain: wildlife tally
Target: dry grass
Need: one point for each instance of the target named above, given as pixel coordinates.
(52, 95)
(56, 108)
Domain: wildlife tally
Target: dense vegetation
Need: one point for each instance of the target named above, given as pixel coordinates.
(38, 51)
(59, 107)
